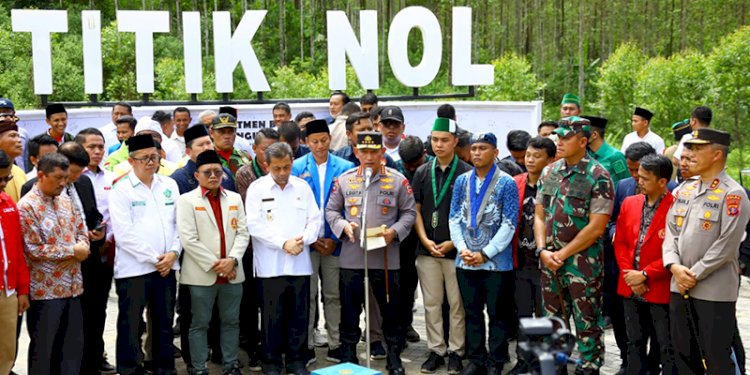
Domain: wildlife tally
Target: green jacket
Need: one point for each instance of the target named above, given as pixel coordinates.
(613, 161)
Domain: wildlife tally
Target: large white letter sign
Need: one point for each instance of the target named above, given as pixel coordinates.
(398, 55)
(144, 24)
(40, 23)
(92, 52)
(464, 72)
(230, 49)
(191, 44)
(363, 56)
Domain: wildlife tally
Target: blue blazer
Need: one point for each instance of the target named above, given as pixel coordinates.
(306, 169)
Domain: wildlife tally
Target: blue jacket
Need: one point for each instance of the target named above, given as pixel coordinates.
(306, 169)
(186, 181)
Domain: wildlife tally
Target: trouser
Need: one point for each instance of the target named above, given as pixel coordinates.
(705, 329)
(612, 302)
(582, 298)
(529, 293)
(285, 307)
(408, 279)
(490, 289)
(134, 294)
(8, 321)
(375, 325)
(642, 317)
(56, 330)
(437, 276)
(97, 281)
(739, 349)
(325, 270)
(249, 331)
(227, 298)
(352, 299)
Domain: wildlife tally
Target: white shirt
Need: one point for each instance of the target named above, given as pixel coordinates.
(110, 136)
(322, 183)
(179, 143)
(651, 138)
(31, 174)
(681, 146)
(275, 216)
(144, 223)
(393, 152)
(102, 182)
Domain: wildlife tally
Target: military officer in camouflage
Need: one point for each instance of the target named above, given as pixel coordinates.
(609, 157)
(390, 206)
(701, 248)
(574, 201)
(224, 132)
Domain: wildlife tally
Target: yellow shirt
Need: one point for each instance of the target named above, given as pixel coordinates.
(14, 186)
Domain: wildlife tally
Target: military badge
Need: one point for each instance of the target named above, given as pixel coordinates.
(718, 191)
(384, 210)
(706, 215)
(233, 223)
(733, 204)
(354, 211)
(355, 186)
(679, 220)
(706, 225)
(386, 187)
(386, 179)
(712, 198)
(714, 183)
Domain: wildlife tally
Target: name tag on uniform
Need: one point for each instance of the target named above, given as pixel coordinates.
(200, 208)
(137, 203)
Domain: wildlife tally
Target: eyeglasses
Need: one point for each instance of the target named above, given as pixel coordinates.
(7, 178)
(149, 159)
(212, 172)
(9, 116)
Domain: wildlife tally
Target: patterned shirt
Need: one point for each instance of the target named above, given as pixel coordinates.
(647, 216)
(51, 226)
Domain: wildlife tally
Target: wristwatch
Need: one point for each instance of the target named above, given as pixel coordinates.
(236, 262)
(539, 251)
(644, 274)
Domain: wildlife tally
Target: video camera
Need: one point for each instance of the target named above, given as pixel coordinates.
(547, 345)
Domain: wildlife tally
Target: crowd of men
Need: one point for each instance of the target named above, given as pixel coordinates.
(243, 241)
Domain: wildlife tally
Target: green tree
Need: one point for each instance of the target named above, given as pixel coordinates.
(514, 80)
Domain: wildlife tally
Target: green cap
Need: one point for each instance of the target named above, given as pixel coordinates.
(571, 99)
(442, 124)
(573, 125)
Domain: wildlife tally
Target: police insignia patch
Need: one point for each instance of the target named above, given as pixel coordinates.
(384, 210)
(706, 225)
(733, 204)
(354, 211)
(407, 185)
(715, 183)
(233, 223)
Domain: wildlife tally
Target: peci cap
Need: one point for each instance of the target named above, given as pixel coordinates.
(597, 122)
(369, 140)
(704, 136)
(224, 120)
(442, 124)
(485, 137)
(139, 142)
(207, 157)
(680, 128)
(392, 113)
(317, 126)
(194, 132)
(573, 125)
(571, 99)
(55, 108)
(645, 113)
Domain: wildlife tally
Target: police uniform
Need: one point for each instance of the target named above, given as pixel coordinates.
(569, 194)
(704, 229)
(391, 204)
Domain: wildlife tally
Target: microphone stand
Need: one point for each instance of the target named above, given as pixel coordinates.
(363, 244)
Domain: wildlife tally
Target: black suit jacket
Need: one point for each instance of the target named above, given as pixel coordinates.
(85, 189)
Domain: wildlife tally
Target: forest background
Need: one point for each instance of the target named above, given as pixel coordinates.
(664, 55)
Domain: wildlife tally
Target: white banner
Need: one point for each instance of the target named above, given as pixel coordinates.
(496, 117)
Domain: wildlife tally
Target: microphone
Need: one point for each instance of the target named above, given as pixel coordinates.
(368, 176)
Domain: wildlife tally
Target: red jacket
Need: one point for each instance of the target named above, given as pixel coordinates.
(626, 239)
(18, 271)
(521, 185)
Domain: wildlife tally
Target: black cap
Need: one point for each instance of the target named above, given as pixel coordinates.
(371, 140)
(55, 108)
(392, 113)
(597, 122)
(228, 110)
(704, 136)
(645, 113)
(317, 126)
(194, 132)
(207, 157)
(139, 142)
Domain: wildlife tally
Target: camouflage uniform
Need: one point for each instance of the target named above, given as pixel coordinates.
(569, 194)
(236, 161)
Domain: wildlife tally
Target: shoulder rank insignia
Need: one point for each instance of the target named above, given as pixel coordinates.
(715, 183)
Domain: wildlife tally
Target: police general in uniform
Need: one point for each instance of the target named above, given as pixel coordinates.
(704, 229)
(390, 206)
(574, 200)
